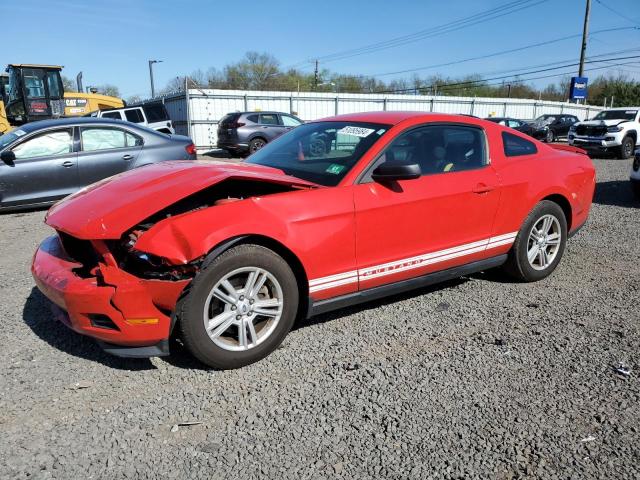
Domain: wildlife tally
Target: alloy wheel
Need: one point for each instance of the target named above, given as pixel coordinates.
(243, 309)
(544, 242)
(257, 145)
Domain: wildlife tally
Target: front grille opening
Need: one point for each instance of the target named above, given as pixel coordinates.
(99, 320)
(79, 250)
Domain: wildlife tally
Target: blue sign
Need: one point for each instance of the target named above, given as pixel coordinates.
(578, 87)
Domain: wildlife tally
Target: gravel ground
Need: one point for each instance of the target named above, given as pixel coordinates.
(476, 378)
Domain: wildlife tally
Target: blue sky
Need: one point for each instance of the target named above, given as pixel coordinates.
(111, 41)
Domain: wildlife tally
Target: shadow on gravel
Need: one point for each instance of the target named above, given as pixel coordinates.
(327, 317)
(38, 317)
(617, 193)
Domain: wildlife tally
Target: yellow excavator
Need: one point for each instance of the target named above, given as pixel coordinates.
(36, 92)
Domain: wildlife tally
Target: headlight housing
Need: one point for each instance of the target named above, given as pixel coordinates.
(572, 128)
(614, 129)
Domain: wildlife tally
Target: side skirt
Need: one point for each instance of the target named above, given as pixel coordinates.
(322, 306)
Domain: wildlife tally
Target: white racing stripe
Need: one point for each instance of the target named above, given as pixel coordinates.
(410, 263)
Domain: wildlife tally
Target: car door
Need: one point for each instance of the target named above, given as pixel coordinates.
(444, 218)
(105, 151)
(270, 126)
(45, 168)
(289, 122)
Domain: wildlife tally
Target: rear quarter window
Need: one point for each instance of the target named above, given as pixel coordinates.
(156, 112)
(515, 146)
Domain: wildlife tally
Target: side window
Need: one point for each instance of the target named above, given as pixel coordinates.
(133, 140)
(94, 139)
(115, 115)
(288, 121)
(134, 115)
(269, 119)
(514, 123)
(515, 146)
(47, 144)
(155, 112)
(437, 149)
(253, 118)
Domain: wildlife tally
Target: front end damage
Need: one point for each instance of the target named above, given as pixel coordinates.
(120, 295)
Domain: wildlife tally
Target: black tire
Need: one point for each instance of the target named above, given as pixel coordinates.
(626, 148)
(518, 265)
(550, 137)
(191, 306)
(256, 144)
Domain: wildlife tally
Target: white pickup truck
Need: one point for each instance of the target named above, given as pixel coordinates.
(615, 130)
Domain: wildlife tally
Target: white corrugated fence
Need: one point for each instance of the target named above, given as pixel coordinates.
(198, 112)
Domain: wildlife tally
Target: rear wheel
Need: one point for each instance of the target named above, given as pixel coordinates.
(540, 243)
(627, 147)
(256, 144)
(239, 308)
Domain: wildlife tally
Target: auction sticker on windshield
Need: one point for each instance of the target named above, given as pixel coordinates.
(335, 168)
(356, 131)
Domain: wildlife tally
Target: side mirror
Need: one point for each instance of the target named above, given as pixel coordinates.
(390, 171)
(8, 157)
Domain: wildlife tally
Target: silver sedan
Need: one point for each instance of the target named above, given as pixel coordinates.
(41, 162)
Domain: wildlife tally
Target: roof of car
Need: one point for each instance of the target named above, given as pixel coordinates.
(390, 118)
(61, 122)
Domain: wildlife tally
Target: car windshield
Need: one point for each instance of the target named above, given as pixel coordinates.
(616, 115)
(321, 152)
(545, 119)
(10, 137)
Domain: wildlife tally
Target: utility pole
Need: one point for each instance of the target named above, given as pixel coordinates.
(585, 34)
(508, 90)
(151, 62)
(315, 77)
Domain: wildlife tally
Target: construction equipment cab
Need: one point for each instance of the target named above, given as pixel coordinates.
(36, 92)
(33, 92)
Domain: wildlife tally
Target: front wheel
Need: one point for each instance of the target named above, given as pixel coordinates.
(550, 137)
(239, 308)
(627, 147)
(540, 243)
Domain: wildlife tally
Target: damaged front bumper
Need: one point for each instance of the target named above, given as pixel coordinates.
(129, 316)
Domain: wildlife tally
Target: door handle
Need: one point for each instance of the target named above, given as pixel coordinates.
(126, 156)
(67, 164)
(482, 188)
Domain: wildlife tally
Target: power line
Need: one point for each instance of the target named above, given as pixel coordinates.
(495, 54)
(484, 81)
(618, 13)
(449, 27)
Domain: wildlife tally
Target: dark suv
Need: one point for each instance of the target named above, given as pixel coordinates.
(246, 132)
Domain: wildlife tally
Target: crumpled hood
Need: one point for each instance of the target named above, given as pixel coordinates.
(597, 123)
(108, 208)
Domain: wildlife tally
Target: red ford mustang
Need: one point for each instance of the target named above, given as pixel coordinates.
(336, 212)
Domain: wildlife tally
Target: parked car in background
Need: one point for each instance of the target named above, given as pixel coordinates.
(635, 175)
(615, 130)
(228, 256)
(153, 115)
(552, 127)
(519, 125)
(247, 132)
(41, 162)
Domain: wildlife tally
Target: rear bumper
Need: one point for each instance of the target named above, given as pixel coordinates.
(114, 306)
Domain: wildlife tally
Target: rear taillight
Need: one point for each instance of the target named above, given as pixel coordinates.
(191, 149)
(236, 125)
